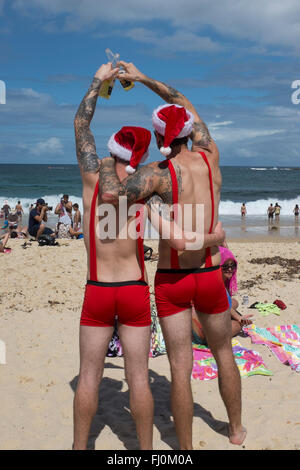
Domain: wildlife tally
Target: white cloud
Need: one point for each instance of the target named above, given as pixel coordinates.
(215, 125)
(267, 23)
(179, 41)
(240, 134)
(51, 146)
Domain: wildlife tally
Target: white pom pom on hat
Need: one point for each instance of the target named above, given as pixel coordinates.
(172, 122)
(132, 145)
(165, 151)
(130, 170)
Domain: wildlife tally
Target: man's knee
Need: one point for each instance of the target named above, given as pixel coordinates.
(89, 378)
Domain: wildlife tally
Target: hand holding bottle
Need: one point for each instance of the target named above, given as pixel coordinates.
(130, 73)
(107, 72)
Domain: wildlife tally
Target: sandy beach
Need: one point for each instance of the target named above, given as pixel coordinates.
(41, 294)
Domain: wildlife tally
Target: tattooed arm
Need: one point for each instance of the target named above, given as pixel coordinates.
(160, 217)
(147, 180)
(200, 136)
(87, 157)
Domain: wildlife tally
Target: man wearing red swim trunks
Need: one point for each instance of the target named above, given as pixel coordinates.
(117, 283)
(192, 277)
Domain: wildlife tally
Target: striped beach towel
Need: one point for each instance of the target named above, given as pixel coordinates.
(283, 341)
(249, 362)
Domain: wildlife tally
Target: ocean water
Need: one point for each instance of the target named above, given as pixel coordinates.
(257, 187)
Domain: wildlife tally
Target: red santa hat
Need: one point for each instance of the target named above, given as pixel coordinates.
(131, 144)
(172, 122)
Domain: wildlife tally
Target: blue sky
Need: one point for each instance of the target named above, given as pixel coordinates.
(235, 60)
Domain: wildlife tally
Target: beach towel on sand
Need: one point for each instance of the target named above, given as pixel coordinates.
(248, 362)
(283, 341)
(157, 343)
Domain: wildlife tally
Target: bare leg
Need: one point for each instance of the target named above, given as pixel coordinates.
(136, 345)
(235, 327)
(177, 334)
(4, 241)
(218, 331)
(40, 231)
(93, 347)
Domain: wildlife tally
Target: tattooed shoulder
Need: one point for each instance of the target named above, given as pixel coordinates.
(205, 138)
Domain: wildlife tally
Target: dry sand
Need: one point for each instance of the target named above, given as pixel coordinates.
(41, 293)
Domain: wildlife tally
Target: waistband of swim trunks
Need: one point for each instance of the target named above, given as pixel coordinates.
(117, 284)
(187, 270)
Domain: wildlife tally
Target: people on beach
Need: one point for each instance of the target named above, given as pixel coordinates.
(19, 211)
(64, 210)
(6, 209)
(66, 231)
(270, 212)
(187, 177)
(13, 220)
(37, 219)
(296, 210)
(110, 291)
(20, 233)
(277, 209)
(117, 285)
(243, 210)
(77, 218)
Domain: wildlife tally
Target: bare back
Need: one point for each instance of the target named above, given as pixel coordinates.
(117, 255)
(195, 189)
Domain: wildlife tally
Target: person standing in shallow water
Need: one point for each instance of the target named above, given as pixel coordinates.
(243, 210)
(270, 212)
(277, 209)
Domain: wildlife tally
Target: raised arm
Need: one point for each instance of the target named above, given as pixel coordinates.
(87, 157)
(200, 136)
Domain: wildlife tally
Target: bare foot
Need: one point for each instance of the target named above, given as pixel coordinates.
(238, 437)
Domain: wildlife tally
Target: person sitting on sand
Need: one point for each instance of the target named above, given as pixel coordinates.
(229, 274)
(13, 220)
(38, 215)
(63, 230)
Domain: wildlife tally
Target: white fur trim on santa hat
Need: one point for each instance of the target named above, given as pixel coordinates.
(160, 125)
(118, 150)
(130, 170)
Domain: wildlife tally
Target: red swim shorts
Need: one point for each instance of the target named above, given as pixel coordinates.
(129, 301)
(177, 289)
